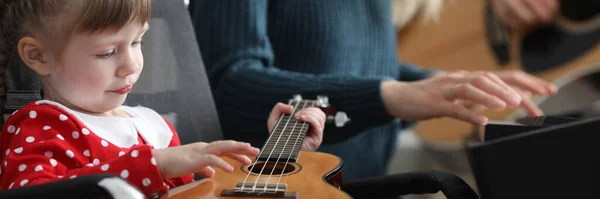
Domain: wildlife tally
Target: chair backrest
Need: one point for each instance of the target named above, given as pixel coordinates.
(174, 82)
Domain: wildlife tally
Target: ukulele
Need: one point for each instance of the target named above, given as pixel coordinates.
(281, 169)
(464, 39)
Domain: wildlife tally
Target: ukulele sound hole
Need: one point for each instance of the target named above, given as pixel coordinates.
(271, 168)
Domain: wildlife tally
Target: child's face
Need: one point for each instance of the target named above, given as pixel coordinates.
(98, 70)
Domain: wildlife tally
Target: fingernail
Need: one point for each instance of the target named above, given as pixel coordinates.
(482, 120)
(516, 100)
(553, 88)
(499, 104)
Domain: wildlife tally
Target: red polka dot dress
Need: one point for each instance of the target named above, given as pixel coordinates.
(45, 142)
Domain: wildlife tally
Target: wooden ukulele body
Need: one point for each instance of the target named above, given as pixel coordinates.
(314, 175)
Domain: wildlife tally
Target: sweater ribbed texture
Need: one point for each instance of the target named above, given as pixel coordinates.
(259, 52)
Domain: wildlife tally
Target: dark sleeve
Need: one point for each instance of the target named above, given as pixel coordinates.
(232, 36)
(410, 72)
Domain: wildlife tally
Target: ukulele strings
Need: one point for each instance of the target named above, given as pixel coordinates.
(271, 153)
(290, 155)
(257, 157)
(284, 149)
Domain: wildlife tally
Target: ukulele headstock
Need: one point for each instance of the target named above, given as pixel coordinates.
(339, 118)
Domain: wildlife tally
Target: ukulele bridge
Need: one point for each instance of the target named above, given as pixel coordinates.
(259, 190)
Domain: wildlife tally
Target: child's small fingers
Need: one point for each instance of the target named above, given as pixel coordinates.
(240, 158)
(207, 172)
(215, 161)
(226, 146)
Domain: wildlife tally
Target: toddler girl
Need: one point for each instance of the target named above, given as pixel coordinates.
(88, 56)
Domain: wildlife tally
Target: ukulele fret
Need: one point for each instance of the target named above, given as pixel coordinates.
(287, 137)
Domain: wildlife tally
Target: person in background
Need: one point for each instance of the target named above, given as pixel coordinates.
(259, 52)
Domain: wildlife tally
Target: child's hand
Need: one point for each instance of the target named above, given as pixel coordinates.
(199, 157)
(314, 116)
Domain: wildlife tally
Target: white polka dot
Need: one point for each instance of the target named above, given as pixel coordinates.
(19, 150)
(104, 143)
(38, 168)
(86, 153)
(24, 182)
(53, 162)
(62, 117)
(135, 153)
(75, 135)
(11, 129)
(153, 161)
(73, 176)
(124, 173)
(48, 154)
(7, 152)
(11, 185)
(70, 154)
(5, 163)
(46, 127)
(89, 165)
(22, 167)
(85, 131)
(121, 153)
(105, 167)
(60, 137)
(96, 161)
(32, 114)
(60, 176)
(29, 139)
(18, 130)
(146, 182)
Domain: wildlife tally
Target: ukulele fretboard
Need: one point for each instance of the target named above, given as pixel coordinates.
(286, 139)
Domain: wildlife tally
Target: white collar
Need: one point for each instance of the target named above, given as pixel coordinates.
(123, 132)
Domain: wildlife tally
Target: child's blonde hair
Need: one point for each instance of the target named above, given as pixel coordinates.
(54, 21)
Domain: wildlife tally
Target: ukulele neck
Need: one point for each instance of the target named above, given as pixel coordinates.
(287, 136)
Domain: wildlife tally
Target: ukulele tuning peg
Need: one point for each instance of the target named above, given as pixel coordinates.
(297, 97)
(322, 101)
(340, 119)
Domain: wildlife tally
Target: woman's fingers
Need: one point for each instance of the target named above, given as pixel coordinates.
(471, 93)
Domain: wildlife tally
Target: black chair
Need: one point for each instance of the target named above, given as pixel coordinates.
(175, 84)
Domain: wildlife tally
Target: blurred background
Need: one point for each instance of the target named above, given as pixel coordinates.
(472, 39)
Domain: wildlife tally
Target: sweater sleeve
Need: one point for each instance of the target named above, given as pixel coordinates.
(410, 72)
(41, 145)
(239, 59)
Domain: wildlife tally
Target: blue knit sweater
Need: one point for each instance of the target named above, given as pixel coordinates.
(259, 52)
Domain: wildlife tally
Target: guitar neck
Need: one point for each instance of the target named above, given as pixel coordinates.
(287, 136)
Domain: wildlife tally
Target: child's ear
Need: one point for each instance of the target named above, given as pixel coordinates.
(32, 53)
